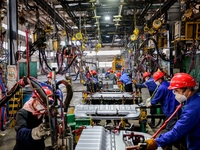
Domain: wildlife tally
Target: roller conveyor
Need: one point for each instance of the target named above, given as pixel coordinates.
(107, 112)
(97, 138)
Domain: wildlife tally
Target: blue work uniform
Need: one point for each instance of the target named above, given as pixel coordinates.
(187, 126)
(127, 81)
(150, 84)
(166, 99)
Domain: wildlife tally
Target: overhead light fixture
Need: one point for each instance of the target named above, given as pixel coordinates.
(97, 17)
(107, 17)
(118, 19)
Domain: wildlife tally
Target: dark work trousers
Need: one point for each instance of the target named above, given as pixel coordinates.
(152, 111)
(129, 87)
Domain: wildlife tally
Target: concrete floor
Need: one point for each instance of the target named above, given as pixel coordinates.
(7, 137)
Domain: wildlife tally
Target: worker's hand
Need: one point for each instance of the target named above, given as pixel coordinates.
(134, 81)
(148, 104)
(148, 100)
(41, 131)
(151, 144)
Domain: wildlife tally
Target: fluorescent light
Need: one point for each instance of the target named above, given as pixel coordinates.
(111, 52)
(105, 64)
(107, 17)
(19, 31)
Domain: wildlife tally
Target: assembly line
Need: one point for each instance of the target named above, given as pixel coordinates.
(72, 79)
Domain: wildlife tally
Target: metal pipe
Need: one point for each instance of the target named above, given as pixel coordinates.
(27, 53)
(159, 12)
(165, 123)
(51, 12)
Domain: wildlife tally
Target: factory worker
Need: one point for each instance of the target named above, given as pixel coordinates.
(49, 78)
(111, 76)
(188, 125)
(127, 82)
(151, 85)
(95, 80)
(165, 97)
(167, 100)
(30, 128)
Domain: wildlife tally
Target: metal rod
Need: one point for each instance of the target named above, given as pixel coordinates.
(163, 126)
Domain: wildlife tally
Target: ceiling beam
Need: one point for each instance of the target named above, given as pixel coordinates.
(164, 8)
(76, 9)
(143, 2)
(51, 12)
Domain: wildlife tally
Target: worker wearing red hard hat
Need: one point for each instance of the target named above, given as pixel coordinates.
(151, 86)
(49, 78)
(166, 98)
(111, 76)
(149, 83)
(30, 128)
(188, 125)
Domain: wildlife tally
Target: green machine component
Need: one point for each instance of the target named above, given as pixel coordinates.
(82, 122)
(23, 69)
(76, 123)
(71, 121)
(195, 72)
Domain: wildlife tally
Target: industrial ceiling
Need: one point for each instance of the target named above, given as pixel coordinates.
(89, 18)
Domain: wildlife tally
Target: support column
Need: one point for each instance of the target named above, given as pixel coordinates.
(12, 15)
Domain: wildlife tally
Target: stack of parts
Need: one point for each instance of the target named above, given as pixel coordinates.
(107, 111)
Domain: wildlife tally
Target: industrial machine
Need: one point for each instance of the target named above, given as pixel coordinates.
(99, 138)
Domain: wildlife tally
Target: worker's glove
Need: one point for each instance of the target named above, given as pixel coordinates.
(151, 144)
(148, 100)
(148, 104)
(134, 81)
(41, 131)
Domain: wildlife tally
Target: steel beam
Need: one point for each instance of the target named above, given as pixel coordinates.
(158, 13)
(51, 12)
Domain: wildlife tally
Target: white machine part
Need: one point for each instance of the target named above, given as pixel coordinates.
(107, 112)
(98, 138)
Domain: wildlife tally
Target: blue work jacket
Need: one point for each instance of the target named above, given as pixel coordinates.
(187, 126)
(95, 80)
(166, 99)
(125, 79)
(150, 84)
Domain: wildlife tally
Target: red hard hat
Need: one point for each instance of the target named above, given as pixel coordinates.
(157, 75)
(111, 71)
(146, 74)
(49, 75)
(46, 90)
(92, 72)
(118, 74)
(182, 80)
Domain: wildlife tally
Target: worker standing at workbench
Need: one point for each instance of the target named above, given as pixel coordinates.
(127, 82)
(188, 126)
(111, 76)
(167, 100)
(30, 128)
(151, 86)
